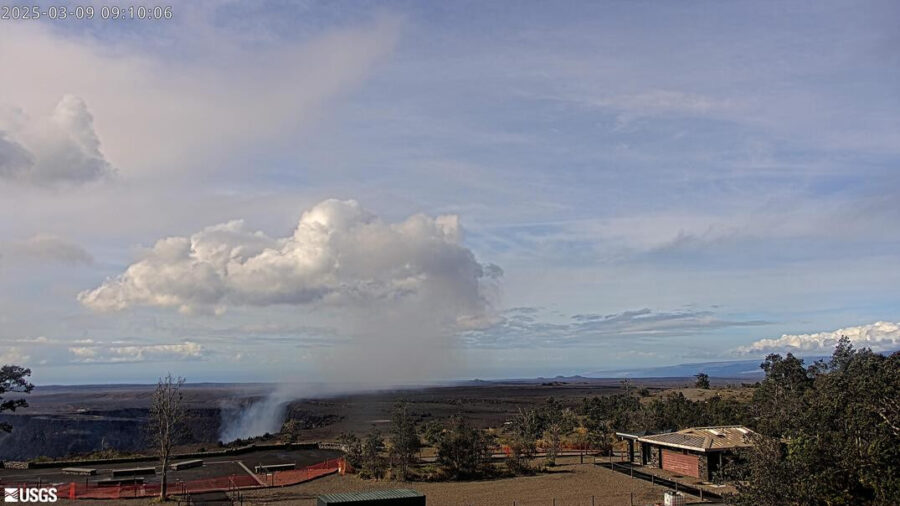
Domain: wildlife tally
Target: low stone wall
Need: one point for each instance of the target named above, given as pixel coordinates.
(703, 462)
(653, 459)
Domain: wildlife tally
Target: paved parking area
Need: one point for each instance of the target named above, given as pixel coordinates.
(213, 467)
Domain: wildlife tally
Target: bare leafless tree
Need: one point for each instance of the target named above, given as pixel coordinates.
(166, 418)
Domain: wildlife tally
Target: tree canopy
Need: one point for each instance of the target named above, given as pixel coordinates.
(836, 427)
(13, 379)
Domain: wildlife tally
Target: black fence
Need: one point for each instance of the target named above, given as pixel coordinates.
(635, 472)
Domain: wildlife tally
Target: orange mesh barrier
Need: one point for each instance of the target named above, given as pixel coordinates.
(295, 476)
(75, 490)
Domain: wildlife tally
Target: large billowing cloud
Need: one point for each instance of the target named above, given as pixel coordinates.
(61, 148)
(879, 336)
(338, 254)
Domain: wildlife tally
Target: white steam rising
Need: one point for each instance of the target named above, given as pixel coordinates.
(261, 417)
(398, 291)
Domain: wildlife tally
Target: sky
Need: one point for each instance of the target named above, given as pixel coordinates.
(255, 191)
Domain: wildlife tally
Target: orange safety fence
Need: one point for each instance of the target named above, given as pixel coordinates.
(294, 476)
(89, 490)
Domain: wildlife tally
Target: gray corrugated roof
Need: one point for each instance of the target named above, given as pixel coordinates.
(398, 493)
(704, 438)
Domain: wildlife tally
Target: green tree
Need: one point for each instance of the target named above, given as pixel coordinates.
(702, 381)
(353, 449)
(559, 422)
(836, 430)
(372, 465)
(779, 403)
(13, 379)
(523, 432)
(405, 441)
(765, 478)
(463, 451)
(613, 412)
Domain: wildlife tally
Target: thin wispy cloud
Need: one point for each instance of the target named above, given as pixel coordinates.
(528, 328)
(45, 248)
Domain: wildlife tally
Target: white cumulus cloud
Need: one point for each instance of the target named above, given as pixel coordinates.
(60, 148)
(339, 254)
(879, 336)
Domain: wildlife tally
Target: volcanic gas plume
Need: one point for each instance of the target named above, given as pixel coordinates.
(396, 293)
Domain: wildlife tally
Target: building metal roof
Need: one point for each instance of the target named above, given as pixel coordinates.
(350, 497)
(640, 434)
(704, 439)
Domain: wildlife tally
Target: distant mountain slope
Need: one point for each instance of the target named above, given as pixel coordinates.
(735, 369)
(748, 369)
(731, 369)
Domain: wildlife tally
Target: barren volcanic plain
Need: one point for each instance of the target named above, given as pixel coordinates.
(64, 421)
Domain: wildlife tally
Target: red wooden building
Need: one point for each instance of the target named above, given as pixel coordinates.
(697, 451)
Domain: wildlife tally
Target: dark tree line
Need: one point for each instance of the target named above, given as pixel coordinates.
(463, 451)
(626, 412)
(829, 431)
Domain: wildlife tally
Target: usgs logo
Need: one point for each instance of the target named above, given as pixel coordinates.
(29, 494)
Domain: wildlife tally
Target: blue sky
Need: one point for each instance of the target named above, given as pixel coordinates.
(658, 182)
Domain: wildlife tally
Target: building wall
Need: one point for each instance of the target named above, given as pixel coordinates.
(682, 462)
(703, 460)
(706, 462)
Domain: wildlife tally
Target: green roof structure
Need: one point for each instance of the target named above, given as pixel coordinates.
(395, 497)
